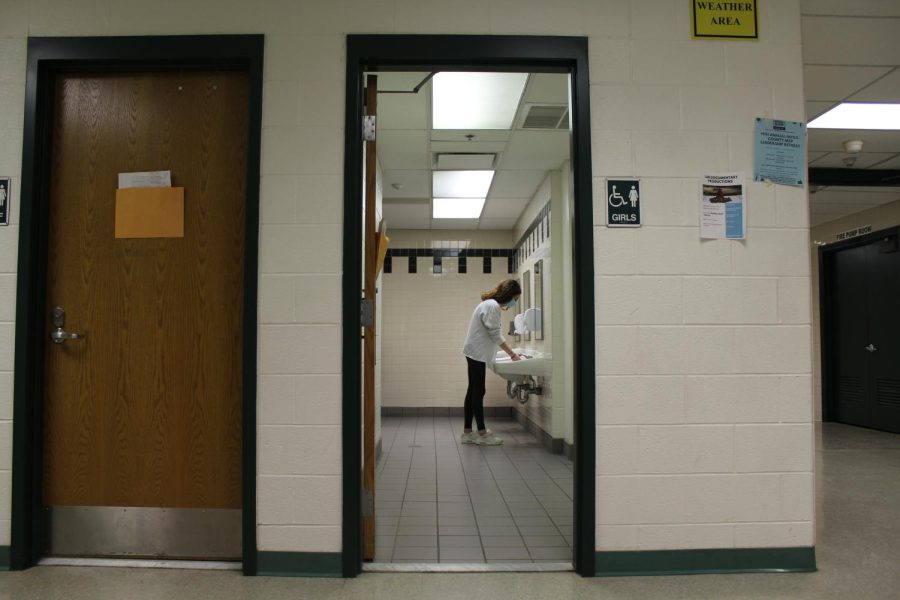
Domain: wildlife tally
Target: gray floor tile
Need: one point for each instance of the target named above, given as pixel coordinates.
(502, 541)
(550, 553)
(415, 553)
(459, 541)
(462, 554)
(458, 530)
(527, 531)
(456, 521)
(416, 541)
(555, 541)
(506, 554)
(417, 530)
(498, 531)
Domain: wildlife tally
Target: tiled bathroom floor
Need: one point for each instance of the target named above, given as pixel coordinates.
(437, 500)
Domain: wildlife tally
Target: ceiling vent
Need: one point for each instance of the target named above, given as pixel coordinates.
(464, 160)
(542, 116)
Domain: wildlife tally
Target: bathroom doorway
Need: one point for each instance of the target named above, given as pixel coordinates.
(433, 503)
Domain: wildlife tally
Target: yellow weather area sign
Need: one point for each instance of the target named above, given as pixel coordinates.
(724, 19)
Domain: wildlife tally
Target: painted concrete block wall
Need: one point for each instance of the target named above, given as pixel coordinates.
(426, 317)
(704, 435)
(664, 108)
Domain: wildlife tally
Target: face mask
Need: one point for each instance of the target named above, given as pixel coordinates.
(511, 303)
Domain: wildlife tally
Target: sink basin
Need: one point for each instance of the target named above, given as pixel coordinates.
(516, 370)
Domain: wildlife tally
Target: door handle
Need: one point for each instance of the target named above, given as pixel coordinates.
(60, 335)
(871, 348)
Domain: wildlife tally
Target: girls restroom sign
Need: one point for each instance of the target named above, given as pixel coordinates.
(623, 202)
(5, 200)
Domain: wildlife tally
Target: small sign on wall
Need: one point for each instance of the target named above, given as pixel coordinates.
(852, 233)
(724, 19)
(623, 202)
(5, 199)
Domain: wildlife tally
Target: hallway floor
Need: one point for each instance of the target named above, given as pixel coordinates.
(438, 500)
(858, 553)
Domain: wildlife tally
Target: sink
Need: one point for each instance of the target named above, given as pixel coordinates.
(538, 365)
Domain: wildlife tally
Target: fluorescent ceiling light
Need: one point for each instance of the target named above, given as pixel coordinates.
(476, 100)
(457, 208)
(461, 184)
(859, 115)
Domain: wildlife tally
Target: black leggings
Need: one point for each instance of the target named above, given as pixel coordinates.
(475, 394)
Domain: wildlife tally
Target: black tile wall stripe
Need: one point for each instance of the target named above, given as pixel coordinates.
(486, 264)
(388, 263)
(438, 266)
(462, 266)
(412, 264)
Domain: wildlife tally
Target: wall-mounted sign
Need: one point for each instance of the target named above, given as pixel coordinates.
(723, 212)
(780, 155)
(623, 202)
(5, 199)
(852, 233)
(724, 19)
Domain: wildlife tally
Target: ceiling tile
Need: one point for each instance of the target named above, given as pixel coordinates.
(403, 150)
(504, 224)
(459, 135)
(814, 109)
(850, 41)
(516, 184)
(536, 150)
(504, 208)
(893, 163)
(831, 140)
(409, 184)
(454, 223)
(407, 216)
(886, 89)
(547, 88)
(458, 161)
(864, 160)
(829, 83)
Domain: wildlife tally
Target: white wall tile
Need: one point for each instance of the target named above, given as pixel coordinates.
(678, 63)
(680, 251)
(5, 534)
(7, 346)
(316, 298)
(612, 153)
(436, 16)
(685, 537)
(58, 17)
(300, 450)
(610, 60)
(640, 400)
(669, 350)
(773, 448)
(608, 18)
(275, 499)
(617, 450)
(638, 300)
(278, 199)
(616, 537)
(798, 495)
(300, 538)
(669, 202)
(643, 107)
(290, 349)
(686, 449)
(761, 204)
(770, 252)
(7, 297)
(6, 445)
(317, 501)
(276, 299)
(794, 301)
(795, 392)
(281, 103)
(300, 249)
(725, 108)
(656, 20)
(321, 104)
(772, 349)
(774, 535)
(730, 300)
(616, 350)
(535, 17)
(613, 252)
(792, 206)
(679, 153)
(6, 396)
(320, 199)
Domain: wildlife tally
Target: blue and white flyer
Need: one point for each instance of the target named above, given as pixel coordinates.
(723, 210)
(780, 155)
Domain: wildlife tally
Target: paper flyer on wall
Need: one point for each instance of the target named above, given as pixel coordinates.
(723, 207)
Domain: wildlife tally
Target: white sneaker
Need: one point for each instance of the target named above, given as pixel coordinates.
(468, 438)
(488, 439)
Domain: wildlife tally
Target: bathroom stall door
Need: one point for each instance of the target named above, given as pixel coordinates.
(142, 414)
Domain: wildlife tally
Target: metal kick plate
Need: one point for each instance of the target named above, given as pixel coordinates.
(197, 533)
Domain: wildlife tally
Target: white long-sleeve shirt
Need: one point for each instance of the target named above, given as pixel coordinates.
(484, 335)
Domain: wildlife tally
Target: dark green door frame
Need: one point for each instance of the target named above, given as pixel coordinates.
(470, 53)
(46, 58)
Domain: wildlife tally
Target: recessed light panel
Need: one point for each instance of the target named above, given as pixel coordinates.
(461, 184)
(859, 115)
(476, 100)
(457, 208)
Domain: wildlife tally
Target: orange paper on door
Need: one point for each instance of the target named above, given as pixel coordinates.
(156, 212)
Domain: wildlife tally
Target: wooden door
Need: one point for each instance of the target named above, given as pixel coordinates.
(146, 410)
(370, 275)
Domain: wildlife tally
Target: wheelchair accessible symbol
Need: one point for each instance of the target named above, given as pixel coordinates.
(623, 202)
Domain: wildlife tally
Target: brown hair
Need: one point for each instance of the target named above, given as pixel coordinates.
(504, 291)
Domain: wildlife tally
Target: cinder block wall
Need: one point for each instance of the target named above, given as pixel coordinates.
(703, 348)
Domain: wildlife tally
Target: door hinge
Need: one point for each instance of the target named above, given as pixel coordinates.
(367, 312)
(369, 128)
(368, 503)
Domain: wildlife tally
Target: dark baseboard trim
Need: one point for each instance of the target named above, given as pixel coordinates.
(300, 564)
(691, 562)
(569, 450)
(501, 412)
(4, 558)
(551, 444)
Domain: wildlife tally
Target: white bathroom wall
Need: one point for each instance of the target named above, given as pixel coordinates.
(704, 434)
(426, 317)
